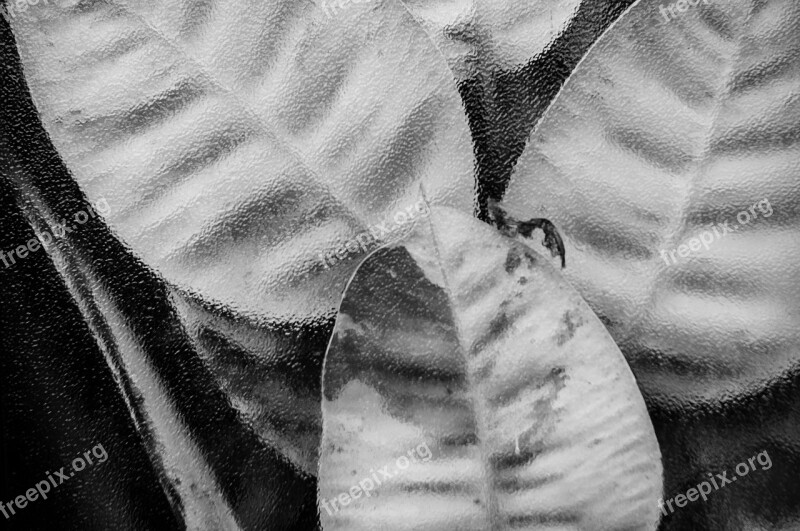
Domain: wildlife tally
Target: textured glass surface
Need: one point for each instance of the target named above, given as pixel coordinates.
(251, 155)
(466, 344)
(670, 163)
(649, 147)
(239, 161)
(254, 137)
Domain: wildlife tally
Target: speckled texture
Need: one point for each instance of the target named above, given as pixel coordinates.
(472, 344)
(665, 131)
(224, 417)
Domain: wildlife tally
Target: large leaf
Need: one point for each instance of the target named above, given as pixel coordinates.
(252, 137)
(665, 130)
(239, 144)
(468, 350)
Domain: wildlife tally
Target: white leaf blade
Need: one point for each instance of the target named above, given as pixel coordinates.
(665, 130)
(527, 384)
(160, 103)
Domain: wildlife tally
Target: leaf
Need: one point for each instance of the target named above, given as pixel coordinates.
(238, 145)
(251, 137)
(108, 307)
(510, 58)
(466, 350)
(665, 130)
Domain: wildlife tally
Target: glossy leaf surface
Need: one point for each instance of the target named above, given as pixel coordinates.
(254, 137)
(476, 390)
(666, 132)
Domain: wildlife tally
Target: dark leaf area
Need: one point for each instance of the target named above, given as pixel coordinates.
(59, 396)
(58, 399)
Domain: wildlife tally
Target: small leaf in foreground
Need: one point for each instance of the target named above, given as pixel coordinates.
(468, 386)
